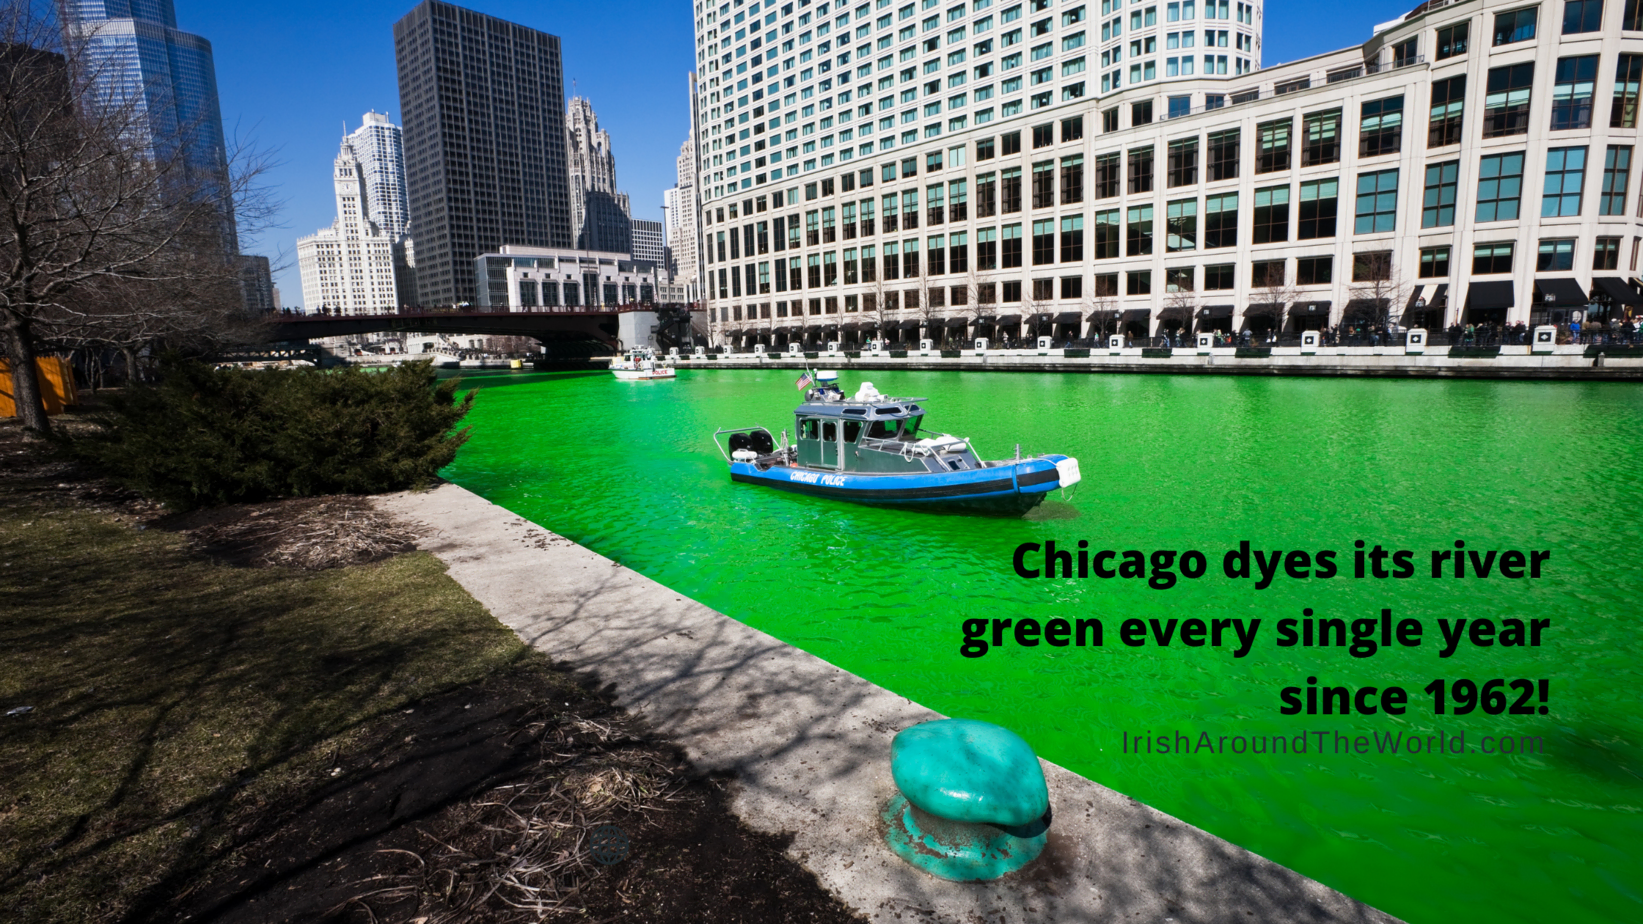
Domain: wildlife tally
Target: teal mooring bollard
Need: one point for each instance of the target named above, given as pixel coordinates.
(973, 803)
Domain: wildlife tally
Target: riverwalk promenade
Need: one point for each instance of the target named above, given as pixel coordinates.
(1510, 361)
(809, 746)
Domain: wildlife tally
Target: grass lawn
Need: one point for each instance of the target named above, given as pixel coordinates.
(174, 698)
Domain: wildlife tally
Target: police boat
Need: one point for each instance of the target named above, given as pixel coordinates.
(873, 449)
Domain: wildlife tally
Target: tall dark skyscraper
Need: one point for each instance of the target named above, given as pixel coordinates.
(484, 107)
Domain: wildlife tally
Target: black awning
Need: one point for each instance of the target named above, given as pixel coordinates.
(850, 326)
(1042, 317)
(1310, 309)
(1264, 309)
(1137, 314)
(1069, 317)
(1111, 314)
(1485, 295)
(907, 325)
(816, 327)
(1005, 320)
(1439, 297)
(957, 323)
(1617, 290)
(1215, 311)
(1560, 293)
(1358, 307)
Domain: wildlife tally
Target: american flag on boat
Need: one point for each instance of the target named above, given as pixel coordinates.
(804, 381)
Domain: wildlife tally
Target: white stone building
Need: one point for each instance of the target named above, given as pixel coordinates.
(349, 268)
(933, 166)
(550, 278)
(600, 215)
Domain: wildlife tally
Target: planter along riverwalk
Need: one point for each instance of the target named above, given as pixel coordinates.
(1508, 361)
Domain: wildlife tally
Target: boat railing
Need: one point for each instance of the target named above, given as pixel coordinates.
(781, 448)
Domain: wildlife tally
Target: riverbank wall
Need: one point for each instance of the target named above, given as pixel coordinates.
(1565, 362)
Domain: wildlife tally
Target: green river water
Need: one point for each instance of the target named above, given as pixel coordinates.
(628, 470)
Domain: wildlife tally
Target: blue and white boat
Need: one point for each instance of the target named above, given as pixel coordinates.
(874, 449)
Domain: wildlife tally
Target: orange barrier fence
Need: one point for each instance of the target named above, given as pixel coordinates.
(56, 378)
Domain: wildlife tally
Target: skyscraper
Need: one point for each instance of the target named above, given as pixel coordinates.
(599, 212)
(379, 145)
(484, 107)
(682, 225)
(349, 268)
(167, 77)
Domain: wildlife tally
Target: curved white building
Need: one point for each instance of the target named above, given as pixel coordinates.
(894, 166)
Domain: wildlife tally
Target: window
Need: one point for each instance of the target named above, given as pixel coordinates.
(1572, 93)
(1221, 220)
(1555, 255)
(1606, 253)
(1141, 113)
(1181, 226)
(1492, 258)
(1072, 129)
(1434, 262)
(1109, 119)
(1274, 140)
(1220, 276)
(1631, 19)
(1266, 273)
(1138, 282)
(1072, 180)
(1623, 114)
(1107, 233)
(1012, 142)
(1381, 131)
(1448, 105)
(1012, 246)
(958, 200)
(1183, 162)
(1372, 266)
(986, 195)
(1271, 215)
(1319, 203)
(1617, 166)
(1565, 176)
(984, 149)
(1452, 40)
(1223, 155)
(1011, 192)
(1500, 184)
(1043, 136)
(1072, 239)
(1323, 138)
(1377, 202)
(1314, 271)
(1438, 202)
(1140, 170)
(1043, 184)
(1515, 26)
(1506, 102)
(1582, 16)
(1140, 231)
(1106, 175)
(987, 249)
(958, 254)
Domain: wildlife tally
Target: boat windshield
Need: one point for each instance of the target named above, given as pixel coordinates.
(905, 429)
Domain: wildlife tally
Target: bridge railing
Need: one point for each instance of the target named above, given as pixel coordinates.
(475, 310)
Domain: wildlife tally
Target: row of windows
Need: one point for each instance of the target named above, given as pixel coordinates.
(1494, 258)
(1499, 192)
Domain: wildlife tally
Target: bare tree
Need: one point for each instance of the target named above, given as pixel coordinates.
(1101, 307)
(926, 304)
(1029, 313)
(878, 307)
(1377, 292)
(1181, 306)
(1276, 293)
(112, 234)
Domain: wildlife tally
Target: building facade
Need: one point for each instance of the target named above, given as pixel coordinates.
(524, 278)
(484, 107)
(349, 268)
(647, 243)
(898, 168)
(380, 146)
(600, 212)
(683, 221)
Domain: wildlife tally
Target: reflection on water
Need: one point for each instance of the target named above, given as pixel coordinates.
(1188, 462)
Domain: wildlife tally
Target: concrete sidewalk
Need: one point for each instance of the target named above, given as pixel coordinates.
(810, 745)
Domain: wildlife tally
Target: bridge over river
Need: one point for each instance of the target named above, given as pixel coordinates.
(562, 331)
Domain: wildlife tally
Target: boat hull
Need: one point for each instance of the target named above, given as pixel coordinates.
(637, 375)
(1009, 487)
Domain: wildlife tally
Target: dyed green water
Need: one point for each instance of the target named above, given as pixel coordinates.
(1186, 463)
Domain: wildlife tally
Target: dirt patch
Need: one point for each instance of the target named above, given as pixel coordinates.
(313, 533)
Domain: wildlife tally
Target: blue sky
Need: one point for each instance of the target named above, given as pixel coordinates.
(291, 73)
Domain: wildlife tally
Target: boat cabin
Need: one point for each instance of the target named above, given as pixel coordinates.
(877, 434)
